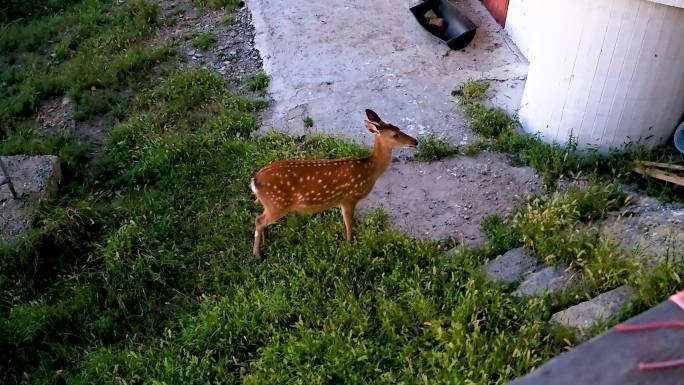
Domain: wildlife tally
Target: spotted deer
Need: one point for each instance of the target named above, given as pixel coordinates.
(311, 186)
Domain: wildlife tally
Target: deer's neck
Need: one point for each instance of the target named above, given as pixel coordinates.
(380, 159)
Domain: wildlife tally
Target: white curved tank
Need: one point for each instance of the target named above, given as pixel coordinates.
(607, 72)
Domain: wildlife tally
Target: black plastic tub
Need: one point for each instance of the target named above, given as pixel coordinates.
(458, 30)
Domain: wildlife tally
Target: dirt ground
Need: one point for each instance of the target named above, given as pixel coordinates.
(450, 198)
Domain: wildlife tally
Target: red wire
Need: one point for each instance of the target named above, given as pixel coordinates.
(660, 365)
(649, 326)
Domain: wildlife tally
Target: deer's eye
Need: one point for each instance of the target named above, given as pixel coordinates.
(395, 136)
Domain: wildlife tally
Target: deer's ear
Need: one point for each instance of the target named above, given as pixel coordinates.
(372, 127)
(373, 117)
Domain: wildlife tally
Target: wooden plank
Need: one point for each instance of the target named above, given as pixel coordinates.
(612, 358)
(658, 174)
(669, 166)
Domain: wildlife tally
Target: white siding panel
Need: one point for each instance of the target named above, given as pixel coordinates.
(608, 72)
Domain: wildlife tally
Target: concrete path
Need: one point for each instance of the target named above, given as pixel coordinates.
(331, 60)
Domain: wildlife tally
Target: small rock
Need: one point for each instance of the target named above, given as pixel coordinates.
(199, 54)
(511, 266)
(585, 315)
(547, 280)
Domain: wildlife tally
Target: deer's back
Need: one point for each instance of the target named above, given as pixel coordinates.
(313, 185)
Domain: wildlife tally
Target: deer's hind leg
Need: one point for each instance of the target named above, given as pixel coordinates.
(348, 217)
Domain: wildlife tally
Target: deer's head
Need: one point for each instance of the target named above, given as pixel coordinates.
(389, 134)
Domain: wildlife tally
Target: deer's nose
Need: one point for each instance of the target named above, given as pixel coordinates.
(415, 142)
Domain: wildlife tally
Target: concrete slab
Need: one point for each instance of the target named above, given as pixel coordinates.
(583, 316)
(511, 266)
(331, 60)
(450, 198)
(35, 178)
(550, 279)
(647, 228)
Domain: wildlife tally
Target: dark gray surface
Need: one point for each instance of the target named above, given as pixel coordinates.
(612, 358)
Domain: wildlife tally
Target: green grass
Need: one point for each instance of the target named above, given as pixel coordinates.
(432, 148)
(228, 21)
(259, 82)
(555, 161)
(204, 40)
(489, 121)
(501, 234)
(216, 4)
(471, 91)
(100, 59)
(558, 229)
(308, 122)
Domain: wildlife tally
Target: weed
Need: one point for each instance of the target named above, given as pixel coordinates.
(258, 82)
(228, 21)
(555, 230)
(471, 91)
(554, 161)
(308, 122)
(489, 121)
(474, 148)
(431, 148)
(204, 40)
(657, 283)
(502, 236)
(216, 4)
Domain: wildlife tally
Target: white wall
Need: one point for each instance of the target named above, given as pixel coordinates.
(607, 72)
(523, 23)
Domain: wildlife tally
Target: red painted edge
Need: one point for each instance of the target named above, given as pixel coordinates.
(498, 9)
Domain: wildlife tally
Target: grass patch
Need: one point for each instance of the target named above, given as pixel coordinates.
(99, 58)
(431, 148)
(217, 4)
(204, 41)
(308, 122)
(17, 9)
(471, 91)
(228, 21)
(555, 161)
(502, 236)
(489, 121)
(259, 82)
